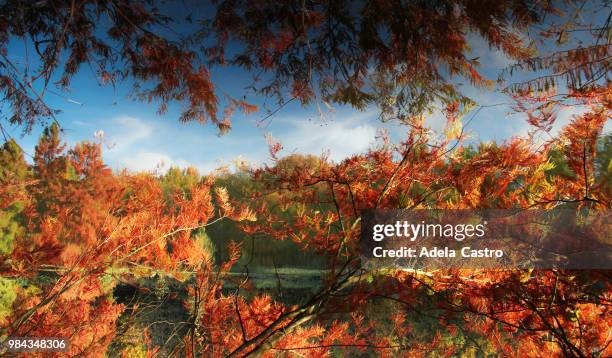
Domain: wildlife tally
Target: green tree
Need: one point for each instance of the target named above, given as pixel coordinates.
(14, 172)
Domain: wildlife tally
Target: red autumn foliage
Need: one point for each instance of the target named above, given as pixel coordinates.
(75, 233)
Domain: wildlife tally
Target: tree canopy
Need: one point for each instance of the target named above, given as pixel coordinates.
(402, 56)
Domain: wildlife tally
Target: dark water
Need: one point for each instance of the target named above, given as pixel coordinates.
(288, 288)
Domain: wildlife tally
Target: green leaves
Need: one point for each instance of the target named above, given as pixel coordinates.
(8, 294)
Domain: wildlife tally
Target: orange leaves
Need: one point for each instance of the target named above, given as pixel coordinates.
(245, 214)
(274, 146)
(86, 159)
(82, 313)
(234, 251)
(318, 206)
(579, 140)
(225, 208)
(85, 228)
(487, 176)
(454, 126)
(175, 77)
(231, 107)
(185, 250)
(590, 323)
(247, 108)
(90, 228)
(70, 254)
(303, 92)
(230, 320)
(260, 312)
(541, 109)
(197, 209)
(318, 340)
(280, 42)
(317, 50)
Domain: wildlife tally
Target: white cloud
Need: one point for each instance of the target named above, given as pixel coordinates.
(125, 137)
(341, 136)
(136, 144)
(145, 161)
(126, 130)
(151, 161)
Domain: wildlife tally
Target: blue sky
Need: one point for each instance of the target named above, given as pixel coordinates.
(137, 138)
